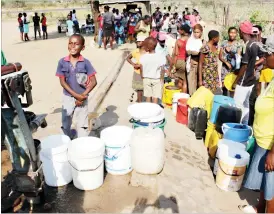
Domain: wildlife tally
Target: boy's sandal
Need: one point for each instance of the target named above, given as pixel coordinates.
(247, 209)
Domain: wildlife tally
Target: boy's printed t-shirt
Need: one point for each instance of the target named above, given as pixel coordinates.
(76, 77)
(249, 58)
(136, 55)
(152, 65)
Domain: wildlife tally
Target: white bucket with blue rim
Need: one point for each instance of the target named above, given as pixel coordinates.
(117, 153)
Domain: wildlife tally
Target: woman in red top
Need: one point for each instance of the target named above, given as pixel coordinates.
(21, 26)
(179, 58)
(44, 26)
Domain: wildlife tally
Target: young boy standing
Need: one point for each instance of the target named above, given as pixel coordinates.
(77, 77)
(152, 71)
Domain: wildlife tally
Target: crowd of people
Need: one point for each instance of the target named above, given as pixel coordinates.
(128, 25)
(38, 22)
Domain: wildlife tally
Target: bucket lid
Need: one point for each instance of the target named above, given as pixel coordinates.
(116, 136)
(86, 146)
(144, 110)
(55, 144)
(233, 156)
(231, 143)
(223, 99)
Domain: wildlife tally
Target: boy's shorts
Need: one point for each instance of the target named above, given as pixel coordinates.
(152, 88)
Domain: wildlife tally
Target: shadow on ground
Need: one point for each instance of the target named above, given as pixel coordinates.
(54, 35)
(163, 203)
(107, 119)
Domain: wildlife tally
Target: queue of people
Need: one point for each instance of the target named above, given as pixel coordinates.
(194, 63)
(38, 23)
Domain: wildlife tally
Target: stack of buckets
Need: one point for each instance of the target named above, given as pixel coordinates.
(231, 158)
(82, 160)
(212, 136)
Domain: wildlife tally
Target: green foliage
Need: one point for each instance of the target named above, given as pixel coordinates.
(256, 17)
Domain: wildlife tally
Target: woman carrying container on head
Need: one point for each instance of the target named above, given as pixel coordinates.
(260, 174)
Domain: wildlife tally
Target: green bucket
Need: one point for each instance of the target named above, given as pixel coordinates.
(161, 126)
(251, 146)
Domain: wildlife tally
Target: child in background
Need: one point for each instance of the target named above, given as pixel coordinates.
(77, 77)
(152, 71)
(70, 25)
(209, 76)
(137, 81)
(119, 33)
(44, 26)
(26, 27)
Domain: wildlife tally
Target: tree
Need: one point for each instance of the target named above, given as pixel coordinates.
(95, 13)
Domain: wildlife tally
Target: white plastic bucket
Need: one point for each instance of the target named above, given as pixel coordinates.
(232, 167)
(230, 144)
(175, 99)
(117, 154)
(86, 158)
(53, 155)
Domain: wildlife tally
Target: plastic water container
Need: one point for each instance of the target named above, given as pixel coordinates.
(147, 150)
(237, 132)
(201, 123)
(175, 99)
(168, 94)
(232, 166)
(227, 143)
(53, 155)
(117, 154)
(182, 111)
(217, 102)
(227, 114)
(86, 157)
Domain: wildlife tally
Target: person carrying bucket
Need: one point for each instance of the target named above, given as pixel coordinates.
(260, 175)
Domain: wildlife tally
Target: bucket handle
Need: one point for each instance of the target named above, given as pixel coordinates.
(134, 121)
(85, 170)
(224, 125)
(114, 157)
(225, 172)
(251, 131)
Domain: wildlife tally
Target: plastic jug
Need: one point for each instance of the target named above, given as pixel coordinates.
(217, 102)
(227, 114)
(192, 118)
(201, 124)
(147, 150)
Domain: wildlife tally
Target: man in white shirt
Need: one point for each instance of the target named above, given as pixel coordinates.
(152, 71)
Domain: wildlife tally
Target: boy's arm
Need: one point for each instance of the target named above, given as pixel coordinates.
(92, 82)
(141, 71)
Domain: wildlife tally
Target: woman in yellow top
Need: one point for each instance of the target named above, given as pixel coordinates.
(143, 27)
(137, 81)
(260, 174)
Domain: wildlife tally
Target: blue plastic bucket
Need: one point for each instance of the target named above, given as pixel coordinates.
(237, 132)
(217, 102)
